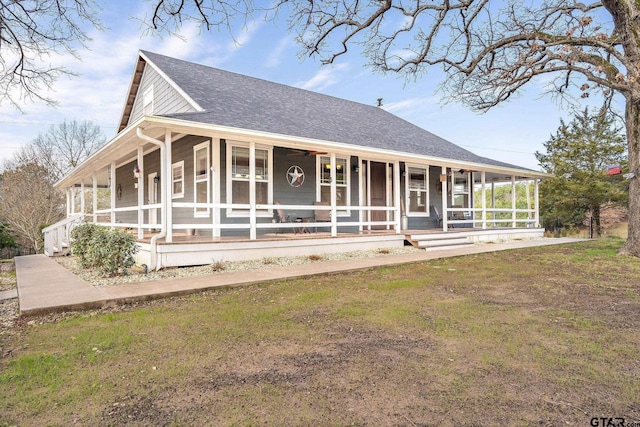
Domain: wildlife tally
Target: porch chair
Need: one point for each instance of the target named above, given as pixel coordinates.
(438, 216)
(321, 215)
(279, 216)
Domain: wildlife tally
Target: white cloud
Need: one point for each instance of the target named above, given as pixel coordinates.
(323, 78)
(275, 56)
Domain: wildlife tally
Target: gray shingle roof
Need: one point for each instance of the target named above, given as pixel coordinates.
(240, 101)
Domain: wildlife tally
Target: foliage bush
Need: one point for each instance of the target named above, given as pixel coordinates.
(110, 251)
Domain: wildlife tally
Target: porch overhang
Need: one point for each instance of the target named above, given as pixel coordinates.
(121, 149)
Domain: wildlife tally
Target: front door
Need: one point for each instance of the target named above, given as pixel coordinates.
(152, 197)
(378, 188)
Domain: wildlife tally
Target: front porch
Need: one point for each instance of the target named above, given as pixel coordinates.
(201, 250)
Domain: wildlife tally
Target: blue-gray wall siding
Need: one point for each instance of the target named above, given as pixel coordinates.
(283, 193)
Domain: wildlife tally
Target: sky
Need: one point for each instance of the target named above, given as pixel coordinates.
(511, 132)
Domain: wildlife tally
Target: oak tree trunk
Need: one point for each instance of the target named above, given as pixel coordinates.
(632, 116)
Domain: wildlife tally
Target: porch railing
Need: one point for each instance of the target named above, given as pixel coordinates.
(57, 237)
(493, 217)
(266, 217)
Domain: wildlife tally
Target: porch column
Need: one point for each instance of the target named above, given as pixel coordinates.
(68, 194)
(483, 180)
(361, 195)
(215, 217)
(167, 188)
(140, 181)
(536, 202)
(112, 189)
(94, 197)
(334, 191)
(513, 201)
(252, 191)
(72, 202)
(445, 213)
(493, 202)
(396, 199)
(82, 205)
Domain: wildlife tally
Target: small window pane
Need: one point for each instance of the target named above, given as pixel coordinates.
(240, 165)
(240, 192)
(201, 163)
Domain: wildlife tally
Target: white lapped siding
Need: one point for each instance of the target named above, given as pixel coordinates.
(165, 98)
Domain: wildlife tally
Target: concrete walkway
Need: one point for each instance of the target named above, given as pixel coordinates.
(45, 286)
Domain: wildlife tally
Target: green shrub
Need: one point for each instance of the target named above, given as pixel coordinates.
(82, 242)
(110, 251)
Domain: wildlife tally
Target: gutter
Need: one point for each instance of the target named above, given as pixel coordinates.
(155, 265)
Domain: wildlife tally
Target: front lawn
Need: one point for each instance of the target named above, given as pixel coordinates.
(545, 336)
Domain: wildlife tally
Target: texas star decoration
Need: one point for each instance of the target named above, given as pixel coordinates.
(295, 176)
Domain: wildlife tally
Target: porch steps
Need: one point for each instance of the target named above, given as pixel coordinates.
(439, 241)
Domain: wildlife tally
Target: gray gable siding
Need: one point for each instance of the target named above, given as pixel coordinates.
(166, 100)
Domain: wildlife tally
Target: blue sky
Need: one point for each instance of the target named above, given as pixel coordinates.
(512, 132)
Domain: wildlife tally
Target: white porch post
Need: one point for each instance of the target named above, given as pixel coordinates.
(94, 198)
(82, 205)
(513, 201)
(445, 214)
(334, 212)
(396, 192)
(493, 202)
(68, 194)
(536, 198)
(112, 188)
(167, 187)
(368, 216)
(361, 195)
(215, 217)
(483, 179)
(252, 191)
(140, 181)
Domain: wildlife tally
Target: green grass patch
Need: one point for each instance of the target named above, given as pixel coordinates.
(511, 338)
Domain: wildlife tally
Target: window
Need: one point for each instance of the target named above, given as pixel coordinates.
(238, 175)
(460, 190)
(177, 180)
(342, 180)
(201, 181)
(147, 101)
(417, 186)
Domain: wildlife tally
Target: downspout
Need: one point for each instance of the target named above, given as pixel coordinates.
(155, 265)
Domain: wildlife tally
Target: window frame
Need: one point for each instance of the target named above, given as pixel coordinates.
(198, 179)
(408, 190)
(263, 213)
(341, 210)
(175, 166)
(454, 193)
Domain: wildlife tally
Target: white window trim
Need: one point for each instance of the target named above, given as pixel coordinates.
(174, 166)
(244, 213)
(147, 99)
(340, 211)
(407, 190)
(205, 145)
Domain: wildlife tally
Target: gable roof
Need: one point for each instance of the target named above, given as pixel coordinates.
(239, 101)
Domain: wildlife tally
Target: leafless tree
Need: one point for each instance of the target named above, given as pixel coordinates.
(28, 202)
(30, 32)
(488, 50)
(62, 147)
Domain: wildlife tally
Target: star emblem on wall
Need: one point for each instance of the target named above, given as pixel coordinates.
(295, 176)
